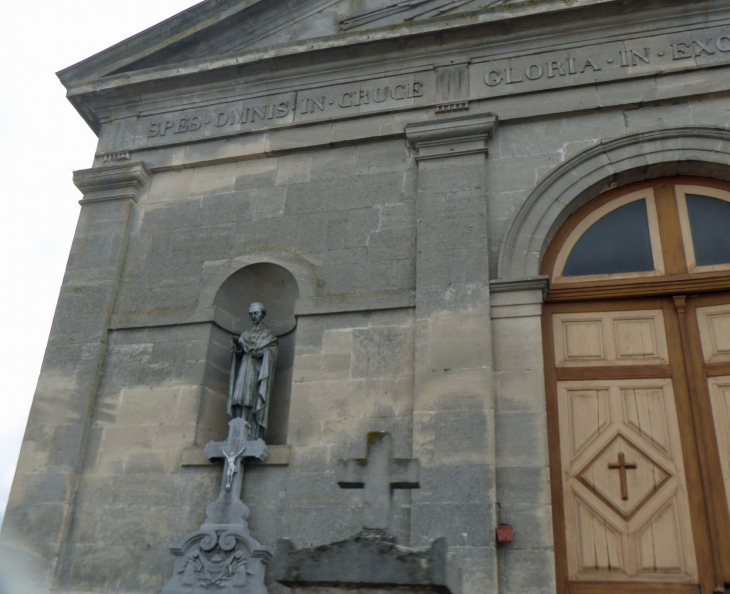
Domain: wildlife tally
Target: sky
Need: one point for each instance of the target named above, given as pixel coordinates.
(42, 141)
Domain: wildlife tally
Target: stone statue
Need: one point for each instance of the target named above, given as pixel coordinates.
(253, 362)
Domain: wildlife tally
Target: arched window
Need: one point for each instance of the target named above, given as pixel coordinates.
(620, 237)
(705, 218)
(645, 235)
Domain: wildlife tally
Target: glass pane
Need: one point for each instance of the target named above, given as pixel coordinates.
(617, 243)
(709, 219)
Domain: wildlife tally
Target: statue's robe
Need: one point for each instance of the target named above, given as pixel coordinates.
(252, 376)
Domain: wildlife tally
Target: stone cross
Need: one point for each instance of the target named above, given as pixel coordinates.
(622, 467)
(228, 508)
(378, 473)
(222, 556)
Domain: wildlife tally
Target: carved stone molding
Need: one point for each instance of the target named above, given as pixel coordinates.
(452, 107)
(111, 158)
(218, 558)
(114, 182)
(517, 298)
(534, 283)
(452, 137)
(697, 151)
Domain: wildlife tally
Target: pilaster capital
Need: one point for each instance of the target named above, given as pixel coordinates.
(461, 135)
(112, 182)
(511, 285)
(518, 297)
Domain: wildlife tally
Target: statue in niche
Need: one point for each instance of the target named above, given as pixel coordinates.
(253, 362)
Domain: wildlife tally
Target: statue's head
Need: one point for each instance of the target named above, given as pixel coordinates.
(257, 311)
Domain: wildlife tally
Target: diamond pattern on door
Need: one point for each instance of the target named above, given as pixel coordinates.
(645, 411)
(624, 488)
(658, 542)
(636, 477)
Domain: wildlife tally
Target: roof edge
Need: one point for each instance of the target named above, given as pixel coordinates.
(177, 27)
(329, 42)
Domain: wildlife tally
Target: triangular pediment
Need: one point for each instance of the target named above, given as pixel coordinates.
(224, 28)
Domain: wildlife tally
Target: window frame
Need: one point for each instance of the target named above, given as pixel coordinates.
(681, 191)
(646, 194)
(673, 276)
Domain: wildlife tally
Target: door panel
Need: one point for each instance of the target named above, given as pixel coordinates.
(720, 400)
(714, 322)
(610, 338)
(624, 490)
(636, 470)
(714, 331)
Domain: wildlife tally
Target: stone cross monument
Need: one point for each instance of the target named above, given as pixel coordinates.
(371, 562)
(223, 556)
(378, 473)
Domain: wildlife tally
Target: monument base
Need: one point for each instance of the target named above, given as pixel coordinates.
(219, 557)
(370, 562)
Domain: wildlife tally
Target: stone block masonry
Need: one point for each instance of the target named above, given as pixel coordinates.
(411, 233)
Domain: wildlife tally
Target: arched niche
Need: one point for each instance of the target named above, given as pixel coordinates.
(277, 289)
(268, 283)
(688, 151)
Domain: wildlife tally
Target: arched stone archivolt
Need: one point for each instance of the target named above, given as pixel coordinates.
(693, 151)
(294, 264)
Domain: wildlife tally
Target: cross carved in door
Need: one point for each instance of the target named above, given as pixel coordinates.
(622, 467)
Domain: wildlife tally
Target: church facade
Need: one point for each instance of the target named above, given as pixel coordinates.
(496, 229)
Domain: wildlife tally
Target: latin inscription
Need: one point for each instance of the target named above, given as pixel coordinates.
(606, 62)
(261, 113)
(359, 97)
(587, 64)
(236, 115)
(537, 71)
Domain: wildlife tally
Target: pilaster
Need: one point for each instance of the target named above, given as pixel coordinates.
(40, 508)
(453, 405)
(522, 471)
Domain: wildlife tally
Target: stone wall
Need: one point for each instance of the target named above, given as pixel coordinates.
(349, 215)
(525, 153)
(353, 373)
(393, 223)
(348, 212)
(138, 494)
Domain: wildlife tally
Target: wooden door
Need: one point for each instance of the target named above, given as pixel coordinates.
(706, 326)
(620, 399)
(639, 389)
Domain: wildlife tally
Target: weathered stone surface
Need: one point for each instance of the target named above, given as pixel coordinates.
(371, 559)
(366, 560)
(378, 474)
(392, 238)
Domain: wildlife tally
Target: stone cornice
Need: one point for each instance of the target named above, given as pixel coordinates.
(305, 64)
(89, 73)
(534, 283)
(464, 135)
(115, 182)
